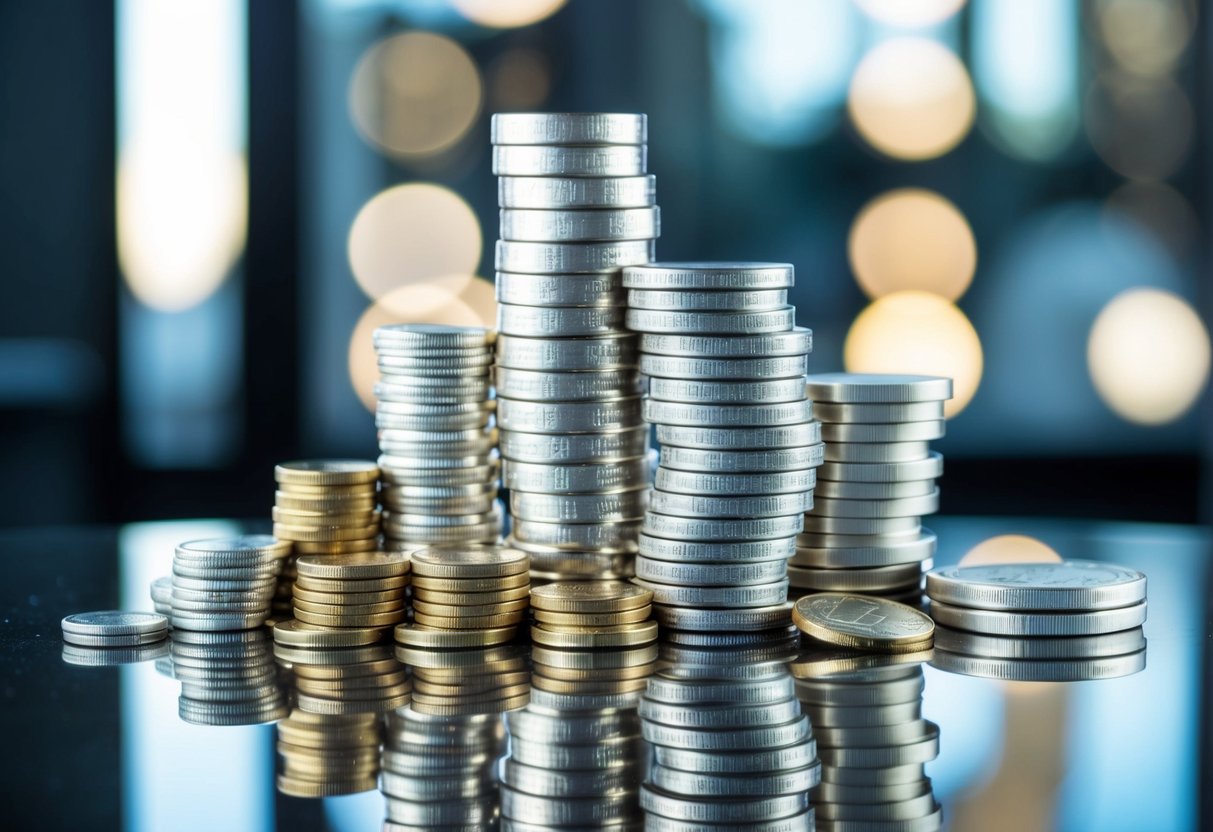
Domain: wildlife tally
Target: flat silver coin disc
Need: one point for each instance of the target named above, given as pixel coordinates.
(1069, 585)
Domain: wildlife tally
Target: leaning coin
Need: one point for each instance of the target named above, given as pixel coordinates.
(1001, 623)
(710, 276)
(540, 160)
(571, 258)
(568, 192)
(862, 621)
(780, 319)
(1068, 585)
(580, 226)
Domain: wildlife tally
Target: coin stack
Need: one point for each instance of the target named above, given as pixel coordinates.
(438, 446)
(466, 597)
(341, 670)
(114, 628)
(739, 447)
(226, 583)
(467, 682)
(592, 614)
(363, 589)
(328, 754)
(227, 678)
(867, 716)
(577, 206)
(865, 533)
(162, 595)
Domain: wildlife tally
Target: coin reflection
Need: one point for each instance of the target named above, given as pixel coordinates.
(227, 678)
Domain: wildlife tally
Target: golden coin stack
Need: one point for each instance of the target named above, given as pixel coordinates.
(362, 589)
(341, 671)
(324, 507)
(592, 614)
(466, 596)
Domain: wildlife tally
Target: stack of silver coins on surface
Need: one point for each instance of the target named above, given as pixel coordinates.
(1058, 621)
(577, 206)
(438, 445)
(328, 754)
(864, 532)
(739, 446)
(226, 583)
(874, 744)
(227, 678)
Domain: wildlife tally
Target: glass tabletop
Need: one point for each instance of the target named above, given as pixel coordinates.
(233, 733)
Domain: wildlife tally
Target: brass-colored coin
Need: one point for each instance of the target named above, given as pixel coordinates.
(623, 635)
(301, 634)
(591, 687)
(446, 611)
(338, 586)
(863, 621)
(329, 492)
(297, 787)
(470, 599)
(420, 636)
(556, 620)
(327, 472)
(356, 566)
(322, 519)
(335, 671)
(469, 561)
(590, 596)
(469, 622)
(348, 609)
(302, 592)
(491, 706)
(382, 619)
(303, 534)
(338, 547)
(326, 503)
(461, 584)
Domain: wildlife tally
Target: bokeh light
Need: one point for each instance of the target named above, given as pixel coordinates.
(519, 80)
(911, 98)
(1148, 354)
(912, 238)
(415, 94)
(1145, 37)
(1161, 210)
(910, 14)
(917, 332)
(1010, 548)
(1142, 129)
(411, 234)
(507, 14)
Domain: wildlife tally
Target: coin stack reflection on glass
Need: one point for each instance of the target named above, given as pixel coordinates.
(323, 507)
(328, 754)
(1064, 621)
(874, 744)
(363, 589)
(226, 583)
(227, 678)
(739, 447)
(436, 439)
(112, 637)
(865, 533)
(592, 614)
(576, 206)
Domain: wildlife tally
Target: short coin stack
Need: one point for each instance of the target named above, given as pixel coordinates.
(576, 207)
(592, 614)
(467, 682)
(226, 583)
(114, 628)
(227, 678)
(466, 596)
(739, 446)
(328, 754)
(438, 446)
(864, 533)
(341, 671)
(362, 589)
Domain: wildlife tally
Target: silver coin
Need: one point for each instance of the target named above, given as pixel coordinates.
(691, 367)
(547, 160)
(876, 452)
(718, 484)
(715, 415)
(815, 524)
(482, 445)
(435, 411)
(859, 694)
(711, 276)
(736, 812)
(579, 508)
(797, 341)
(241, 604)
(481, 812)
(757, 506)
(781, 319)
(616, 536)
(432, 336)
(894, 432)
(874, 490)
(1072, 647)
(883, 388)
(558, 729)
(609, 446)
(447, 476)
(719, 530)
(434, 535)
(781, 460)
(903, 507)
(678, 551)
(572, 192)
(564, 702)
(568, 354)
(389, 465)
(563, 479)
(757, 595)
(396, 362)
(237, 546)
(892, 775)
(545, 783)
(1069, 585)
(569, 128)
(600, 755)
(559, 290)
(467, 419)
(561, 812)
(671, 689)
(1040, 670)
(753, 438)
(784, 781)
(746, 301)
(162, 589)
(568, 417)
(414, 383)
(828, 792)
(218, 621)
(558, 321)
(722, 620)
(1001, 623)
(881, 736)
(397, 520)
(435, 438)
(902, 811)
(710, 574)
(918, 469)
(536, 385)
(225, 584)
(574, 258)
(772, 736)
(881, 414)
(696, 391)
(580, 226)
(801, 822)
(870, 579)
(129, 640)
(910, 549)
(250, 573)
(477, 391)
(756, 760)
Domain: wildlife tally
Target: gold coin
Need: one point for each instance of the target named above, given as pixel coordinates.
(469, 622)
(590, 687)
(326, 503)
(556, 620)
(354, 566)
(327, 472)
(590, 596)
(348, 609)
(471, 599)
(381, 619)
(420, 636)
(865, 622)
(301, 634)
(361, 587)
(317, 519)
(469, 561)
(337, 736)
(606, 674)
(491, 706)
(341, 707)
(623, 635)
(493, 584)
(444, 610)
(298, 491)
(304, 719)
(304, 593)
(296, 787)
(592, 660)
(333, 534)
(335, 671)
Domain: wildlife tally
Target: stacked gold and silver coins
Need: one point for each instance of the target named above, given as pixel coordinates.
(592, 614)
(324, 755)
(226, 583)
(227, 678)
(576, 206)
(864, 532)
(436, 439)
(739, 446)
(466, 597)
(363, 589)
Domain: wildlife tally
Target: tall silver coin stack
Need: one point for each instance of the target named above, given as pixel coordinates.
(864, 532)
(874, 744)
(438, 447)
(739, 446)
(576, 207)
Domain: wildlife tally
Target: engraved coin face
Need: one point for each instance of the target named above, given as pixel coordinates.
(1069, 585)
(862, 621)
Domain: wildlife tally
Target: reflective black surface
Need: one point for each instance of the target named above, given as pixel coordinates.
(133, 747)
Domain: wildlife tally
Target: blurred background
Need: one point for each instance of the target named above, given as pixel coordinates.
(208, 205)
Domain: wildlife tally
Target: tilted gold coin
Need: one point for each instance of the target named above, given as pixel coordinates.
(469, 561)
(420, 636)
(354, 566)
(471, 599)
(327, 472)
(461, 584)
(864, 622)
(623, 635)
(301, 634)
(556, 620)
(589, 596)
